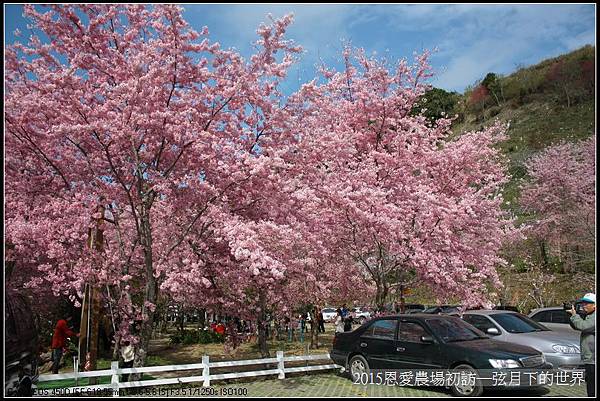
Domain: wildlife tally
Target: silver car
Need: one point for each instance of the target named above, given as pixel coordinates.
(561, 348)
(555, 318)
(360, 315)
(329, 314)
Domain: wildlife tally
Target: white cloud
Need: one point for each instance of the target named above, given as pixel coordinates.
(585, 38)
(319, 29)
(316, 27)
(497, 39)
(472, 39)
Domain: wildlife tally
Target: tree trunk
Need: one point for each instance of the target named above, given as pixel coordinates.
(180, 320)
(568, 97)
(151, 296)
(201, 318)
(124, 315)
(262, 328)
(381, 295)
(314, 333)
(544, 254)
(496, 97)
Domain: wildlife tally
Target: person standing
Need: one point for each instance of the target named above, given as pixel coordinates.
(301, 326)
(288, 328)
(344, 311)
(587, 327)
(220, 329)
(128, 355)
(348, 322)
(277, 329)
(339, 322)
(59, 341)
(321, 320)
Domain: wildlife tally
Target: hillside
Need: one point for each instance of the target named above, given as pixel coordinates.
(533, 99)
(545, 104)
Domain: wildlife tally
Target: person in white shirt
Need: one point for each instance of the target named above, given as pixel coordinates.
(128, 354)
(339, 322)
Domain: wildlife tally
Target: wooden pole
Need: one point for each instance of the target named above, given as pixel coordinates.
(83, 330)
(94, 330)
(90, 312)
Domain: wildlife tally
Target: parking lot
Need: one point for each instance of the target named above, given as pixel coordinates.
(335, 385)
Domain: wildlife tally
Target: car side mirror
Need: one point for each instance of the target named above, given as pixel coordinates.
(493, 331)
(427, 339)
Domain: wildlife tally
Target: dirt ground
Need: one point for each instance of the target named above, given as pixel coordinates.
(164, 353)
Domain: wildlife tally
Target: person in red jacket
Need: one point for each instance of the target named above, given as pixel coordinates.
(220, 329)
(59, 341)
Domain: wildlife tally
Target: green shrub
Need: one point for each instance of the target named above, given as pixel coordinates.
(520, 266)
(517, 171)
(437, 104)
(176, 338)
(190, 337)
(205, 337)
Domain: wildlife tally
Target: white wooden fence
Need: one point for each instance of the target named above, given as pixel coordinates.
(205, 378)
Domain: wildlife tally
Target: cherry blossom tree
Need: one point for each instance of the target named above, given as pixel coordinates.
(211, 188)
(404, 201)
(129, 109)
(560, 198)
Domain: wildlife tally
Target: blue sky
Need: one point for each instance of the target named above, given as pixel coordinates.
(472, 40)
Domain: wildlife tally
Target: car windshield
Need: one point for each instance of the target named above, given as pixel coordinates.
(517, 323)
(454, 329)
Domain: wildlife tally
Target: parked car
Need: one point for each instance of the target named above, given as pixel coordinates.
(329, 314)
(360, 315)
(507, 307)
(21, 346)
(555, 318)
(442, 309)
(425, 341)
(560, 348)
(414, 308)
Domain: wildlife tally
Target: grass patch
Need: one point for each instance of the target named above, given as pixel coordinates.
(158, 360)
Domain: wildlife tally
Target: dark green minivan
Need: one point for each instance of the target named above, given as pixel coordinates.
(423, 341)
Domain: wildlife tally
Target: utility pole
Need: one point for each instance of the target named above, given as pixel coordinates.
(90, 312)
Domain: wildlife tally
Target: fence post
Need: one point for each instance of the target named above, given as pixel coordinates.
(280, 365)
(114, 366)
(206, 371)
(76, 370)
(306, 353)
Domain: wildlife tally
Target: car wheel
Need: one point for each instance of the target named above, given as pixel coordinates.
(25, 388)
(358, 367)
(467, 389)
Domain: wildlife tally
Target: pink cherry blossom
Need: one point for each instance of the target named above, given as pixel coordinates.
(560, 197)
(219, 192)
